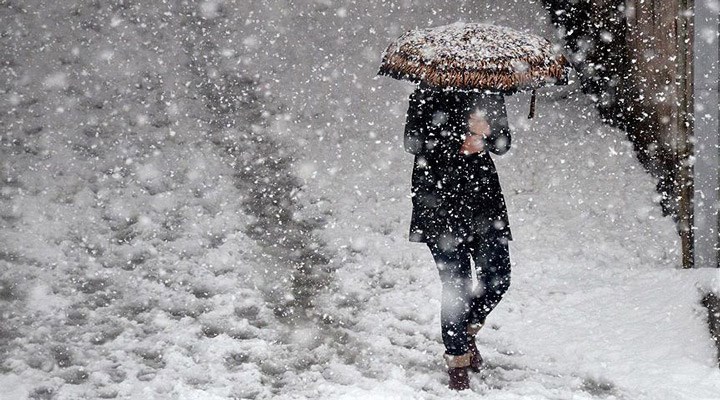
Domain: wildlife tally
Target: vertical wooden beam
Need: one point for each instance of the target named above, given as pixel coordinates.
(684, 148)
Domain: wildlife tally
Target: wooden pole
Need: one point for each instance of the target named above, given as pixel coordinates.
(684, 148)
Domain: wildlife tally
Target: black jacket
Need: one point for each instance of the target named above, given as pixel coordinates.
(456, 197)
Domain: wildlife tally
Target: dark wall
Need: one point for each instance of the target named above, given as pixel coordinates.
(611, 65)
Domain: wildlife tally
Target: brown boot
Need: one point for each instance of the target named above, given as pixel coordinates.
(458, 371)
(476, 360)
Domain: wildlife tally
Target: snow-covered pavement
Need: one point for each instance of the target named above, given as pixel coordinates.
(597, 307)
(158, 244)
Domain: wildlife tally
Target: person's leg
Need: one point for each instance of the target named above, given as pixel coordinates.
(456, 277)
(492, 262)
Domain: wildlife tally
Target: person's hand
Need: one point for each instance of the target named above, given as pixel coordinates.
(473, 144)
(478, 125)
(479, 129)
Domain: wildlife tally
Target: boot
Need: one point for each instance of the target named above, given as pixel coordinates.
(476, 360)
(458, 371)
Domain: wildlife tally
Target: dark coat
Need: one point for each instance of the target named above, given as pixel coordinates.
(456, 197)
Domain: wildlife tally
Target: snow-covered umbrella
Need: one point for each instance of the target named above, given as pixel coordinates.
(473, 56)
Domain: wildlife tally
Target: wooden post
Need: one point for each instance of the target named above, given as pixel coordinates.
(684, 149)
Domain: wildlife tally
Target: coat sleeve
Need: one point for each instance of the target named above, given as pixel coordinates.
(499, 139)
(416, 123)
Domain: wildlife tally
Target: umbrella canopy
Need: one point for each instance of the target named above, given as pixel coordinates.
(468, 56)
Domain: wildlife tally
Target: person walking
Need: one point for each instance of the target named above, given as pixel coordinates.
(459, 210)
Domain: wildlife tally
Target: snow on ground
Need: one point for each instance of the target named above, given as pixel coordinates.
(168, 238)
(597, 307)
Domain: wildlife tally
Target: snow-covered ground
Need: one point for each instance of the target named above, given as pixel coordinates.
(163, 237)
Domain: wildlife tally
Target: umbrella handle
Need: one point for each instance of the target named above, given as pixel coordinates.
(532, 105)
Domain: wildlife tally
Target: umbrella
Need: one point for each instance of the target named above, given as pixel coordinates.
(472, 56)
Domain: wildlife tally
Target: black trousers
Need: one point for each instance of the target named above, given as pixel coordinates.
(461, 305)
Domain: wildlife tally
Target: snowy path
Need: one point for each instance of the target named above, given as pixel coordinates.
(597, 308)
(144, 260)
